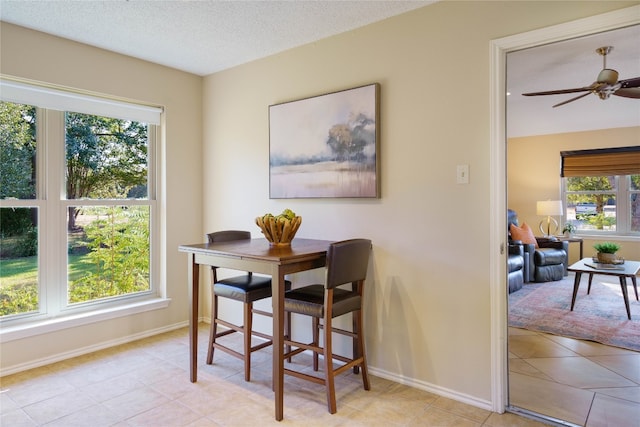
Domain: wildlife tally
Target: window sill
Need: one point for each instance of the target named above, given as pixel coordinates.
(609, 237)
(31, 329)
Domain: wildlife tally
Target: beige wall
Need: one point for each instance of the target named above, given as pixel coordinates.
(428, 297)
(36, 56)
(533, 170)
(428, 301)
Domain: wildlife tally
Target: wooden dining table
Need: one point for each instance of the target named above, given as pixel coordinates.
(258, 256)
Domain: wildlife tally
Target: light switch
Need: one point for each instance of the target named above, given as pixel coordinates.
(462, 174)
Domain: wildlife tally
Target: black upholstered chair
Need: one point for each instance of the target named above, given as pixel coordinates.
(516, 265)
(246, 288)
(545, 263)
(347, 264)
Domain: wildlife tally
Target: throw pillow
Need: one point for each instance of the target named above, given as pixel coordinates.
(523, 233)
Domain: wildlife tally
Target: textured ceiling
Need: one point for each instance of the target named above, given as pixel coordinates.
(201, 37)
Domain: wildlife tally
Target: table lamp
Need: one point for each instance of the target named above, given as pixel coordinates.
(549, 208)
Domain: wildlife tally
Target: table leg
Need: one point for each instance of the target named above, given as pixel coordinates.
(576, 285)
(589, 287)
(635, 286)
(194, 278)
(625, 295)
(277, 292)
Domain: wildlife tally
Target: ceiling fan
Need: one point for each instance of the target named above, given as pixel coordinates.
(606, 85)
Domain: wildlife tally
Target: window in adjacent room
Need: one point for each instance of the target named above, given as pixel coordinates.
(602, 190)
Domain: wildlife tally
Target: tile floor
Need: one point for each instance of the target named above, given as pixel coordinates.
(582, 382)
(146, 383)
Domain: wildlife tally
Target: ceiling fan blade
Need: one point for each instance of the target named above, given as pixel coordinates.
(630, 83)
(561, 91)
(632, 92)
(572, 99)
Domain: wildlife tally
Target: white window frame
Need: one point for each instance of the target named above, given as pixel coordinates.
(623, 193)
(54, 311)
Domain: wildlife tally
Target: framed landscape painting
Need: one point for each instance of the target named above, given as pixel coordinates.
(326, 146)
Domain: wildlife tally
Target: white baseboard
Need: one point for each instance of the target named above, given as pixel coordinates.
(431, 388)
(89, 349)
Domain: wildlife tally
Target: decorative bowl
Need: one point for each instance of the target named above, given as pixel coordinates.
(279, 230)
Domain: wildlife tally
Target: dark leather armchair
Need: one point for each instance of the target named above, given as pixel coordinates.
(516, 267)
(547, 262)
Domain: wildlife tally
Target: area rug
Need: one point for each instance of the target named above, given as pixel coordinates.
(599, 316)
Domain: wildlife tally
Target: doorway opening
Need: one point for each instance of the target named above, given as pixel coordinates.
(500, 51)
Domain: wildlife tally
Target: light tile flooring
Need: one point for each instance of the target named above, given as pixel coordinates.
(582, 382)
(146, 383)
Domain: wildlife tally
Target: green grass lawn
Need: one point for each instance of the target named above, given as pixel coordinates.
(24, 271)
(19, 282)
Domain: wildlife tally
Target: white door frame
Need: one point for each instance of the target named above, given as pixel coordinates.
(498, 50)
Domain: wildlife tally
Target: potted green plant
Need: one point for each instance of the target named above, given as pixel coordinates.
(606, 252)
(568, 229)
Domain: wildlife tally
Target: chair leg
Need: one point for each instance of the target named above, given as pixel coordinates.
(357, 315)
(248, 325)
(315, 325)
(328, 366)
(354, 341)
(287, 333)
(214, 327)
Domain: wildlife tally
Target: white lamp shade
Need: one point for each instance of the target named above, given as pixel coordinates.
(549, 208)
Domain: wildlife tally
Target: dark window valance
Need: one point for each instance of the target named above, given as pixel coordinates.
(601, 162)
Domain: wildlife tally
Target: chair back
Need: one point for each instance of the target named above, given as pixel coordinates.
(228, 236)
(347, 261)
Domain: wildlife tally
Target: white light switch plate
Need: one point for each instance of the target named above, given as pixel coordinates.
(462, 174)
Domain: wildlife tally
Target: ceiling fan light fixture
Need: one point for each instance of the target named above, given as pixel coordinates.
(606, 85)
(608, 76)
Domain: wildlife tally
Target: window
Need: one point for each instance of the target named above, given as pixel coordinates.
(602, 190)
(19, 290)
(78, 203)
